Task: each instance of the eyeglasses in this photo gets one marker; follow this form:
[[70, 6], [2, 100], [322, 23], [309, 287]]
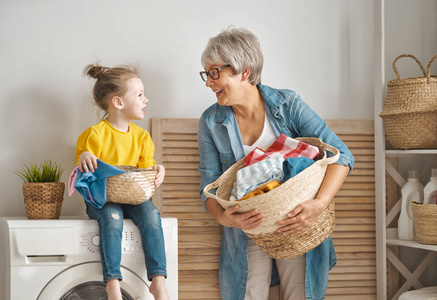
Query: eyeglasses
[[214, 73]]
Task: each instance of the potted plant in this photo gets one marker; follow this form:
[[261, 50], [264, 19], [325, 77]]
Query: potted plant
[[42, 190]]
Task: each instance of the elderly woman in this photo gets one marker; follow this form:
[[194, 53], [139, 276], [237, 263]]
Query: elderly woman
[[249, 115]]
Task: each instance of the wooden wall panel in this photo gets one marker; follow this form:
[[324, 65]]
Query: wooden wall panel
[[354, 276]]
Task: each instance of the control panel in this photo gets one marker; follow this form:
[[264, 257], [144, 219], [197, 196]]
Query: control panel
[[90, 240], [131, 240]]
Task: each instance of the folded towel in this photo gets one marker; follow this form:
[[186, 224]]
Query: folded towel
[[251, 177]]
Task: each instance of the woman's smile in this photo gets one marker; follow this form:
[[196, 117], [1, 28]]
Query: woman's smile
[[218, 92]]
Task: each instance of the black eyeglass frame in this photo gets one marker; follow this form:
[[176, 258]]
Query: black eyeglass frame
[[202, 73]]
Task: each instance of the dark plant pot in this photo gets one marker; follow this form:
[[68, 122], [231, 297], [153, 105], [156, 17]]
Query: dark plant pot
[[43, 200]]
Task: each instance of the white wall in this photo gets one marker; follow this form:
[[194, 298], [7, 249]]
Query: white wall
[[322, 49]]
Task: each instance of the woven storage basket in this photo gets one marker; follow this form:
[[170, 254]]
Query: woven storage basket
[[410, 110], [425, 221], [276, 204], [133, 187], [43, 200]]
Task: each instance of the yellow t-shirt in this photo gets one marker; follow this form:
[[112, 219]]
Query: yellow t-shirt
[[132, 148]]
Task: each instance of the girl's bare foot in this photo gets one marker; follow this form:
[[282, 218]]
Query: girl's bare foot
[[113, 289], [158, 289]]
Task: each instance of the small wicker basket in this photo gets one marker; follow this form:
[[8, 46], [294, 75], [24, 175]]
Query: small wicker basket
[[134, 187], [277, 203], [43, 200], [425, 221], [410, 110]]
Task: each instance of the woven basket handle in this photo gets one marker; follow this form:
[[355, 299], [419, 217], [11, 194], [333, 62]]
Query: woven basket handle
[[212, 186], [428, 74], [333, 150], [412, 56]]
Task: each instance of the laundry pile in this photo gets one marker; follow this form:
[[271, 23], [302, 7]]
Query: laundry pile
[[263, 171]]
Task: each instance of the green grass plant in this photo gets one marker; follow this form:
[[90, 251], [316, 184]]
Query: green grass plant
[[47, 171]]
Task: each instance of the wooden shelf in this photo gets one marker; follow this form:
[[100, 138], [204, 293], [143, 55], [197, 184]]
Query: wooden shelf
[[399, 153], [392, 239], [412, 244]]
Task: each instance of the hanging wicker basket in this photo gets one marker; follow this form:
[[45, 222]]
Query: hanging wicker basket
[[277, 203], [134, 187], [425, 221], [410, 109], [43, 200]]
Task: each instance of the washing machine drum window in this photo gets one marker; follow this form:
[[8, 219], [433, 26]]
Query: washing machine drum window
[[91, 290], [84, 282]]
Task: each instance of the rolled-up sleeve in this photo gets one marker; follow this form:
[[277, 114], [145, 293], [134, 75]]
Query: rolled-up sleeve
[[308, 124]]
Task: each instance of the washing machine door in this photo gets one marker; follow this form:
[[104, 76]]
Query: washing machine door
[[84, 282]]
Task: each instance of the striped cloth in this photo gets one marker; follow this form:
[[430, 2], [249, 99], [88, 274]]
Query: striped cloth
[[251, 177]]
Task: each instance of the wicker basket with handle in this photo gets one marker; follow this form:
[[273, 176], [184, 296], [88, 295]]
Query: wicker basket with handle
[[410, 109], [277, 203]]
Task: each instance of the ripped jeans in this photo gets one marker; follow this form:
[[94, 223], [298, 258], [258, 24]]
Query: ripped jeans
[[147, 218]]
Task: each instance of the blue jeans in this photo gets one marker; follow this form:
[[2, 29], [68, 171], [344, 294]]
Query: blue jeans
[[147, 218]]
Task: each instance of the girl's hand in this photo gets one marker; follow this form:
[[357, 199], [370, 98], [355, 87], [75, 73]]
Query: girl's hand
[[87, 162], [160, 175], [244, 221], [301, 217]]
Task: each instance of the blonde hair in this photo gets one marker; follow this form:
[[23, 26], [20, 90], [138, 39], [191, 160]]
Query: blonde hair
[[110, 82], [237, 47]]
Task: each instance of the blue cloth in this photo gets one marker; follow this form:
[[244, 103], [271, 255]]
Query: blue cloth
[[220, 146], [92, 186], [294, 165]]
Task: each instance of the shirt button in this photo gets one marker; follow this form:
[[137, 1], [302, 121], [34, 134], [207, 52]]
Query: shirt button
[[225, 161]]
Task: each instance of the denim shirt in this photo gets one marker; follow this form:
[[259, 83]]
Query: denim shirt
[[220, 146]]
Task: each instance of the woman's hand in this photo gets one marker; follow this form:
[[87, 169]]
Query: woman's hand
[[160, 175], [87, 162], [244, 221], [305, 214], [302, 217]]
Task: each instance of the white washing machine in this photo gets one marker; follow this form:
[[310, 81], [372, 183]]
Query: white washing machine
[[60, 260]]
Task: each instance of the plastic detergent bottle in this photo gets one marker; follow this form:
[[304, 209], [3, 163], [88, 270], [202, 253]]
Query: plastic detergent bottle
[[430, 190], [411, 191]]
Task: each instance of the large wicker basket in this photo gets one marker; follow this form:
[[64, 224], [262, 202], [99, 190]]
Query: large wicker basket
[[425, 221], [134, 187], [43, 200], [276, 204], [410, 110]]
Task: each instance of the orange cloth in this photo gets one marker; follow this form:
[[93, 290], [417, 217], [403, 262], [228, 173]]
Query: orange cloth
[[262, 189]]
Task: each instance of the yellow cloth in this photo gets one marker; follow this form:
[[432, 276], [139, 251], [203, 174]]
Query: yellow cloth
[[132, 148], [262, 189]]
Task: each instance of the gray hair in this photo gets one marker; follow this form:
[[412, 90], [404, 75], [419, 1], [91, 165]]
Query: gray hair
[[237, 47]]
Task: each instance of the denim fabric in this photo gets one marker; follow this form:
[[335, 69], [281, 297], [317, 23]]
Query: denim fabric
[[220, 146], [147, 218], [319, 261]]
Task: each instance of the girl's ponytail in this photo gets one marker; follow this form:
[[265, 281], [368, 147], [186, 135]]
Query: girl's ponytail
[[94, 71]]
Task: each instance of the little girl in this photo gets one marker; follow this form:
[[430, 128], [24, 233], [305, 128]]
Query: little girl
[[120, 93]]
